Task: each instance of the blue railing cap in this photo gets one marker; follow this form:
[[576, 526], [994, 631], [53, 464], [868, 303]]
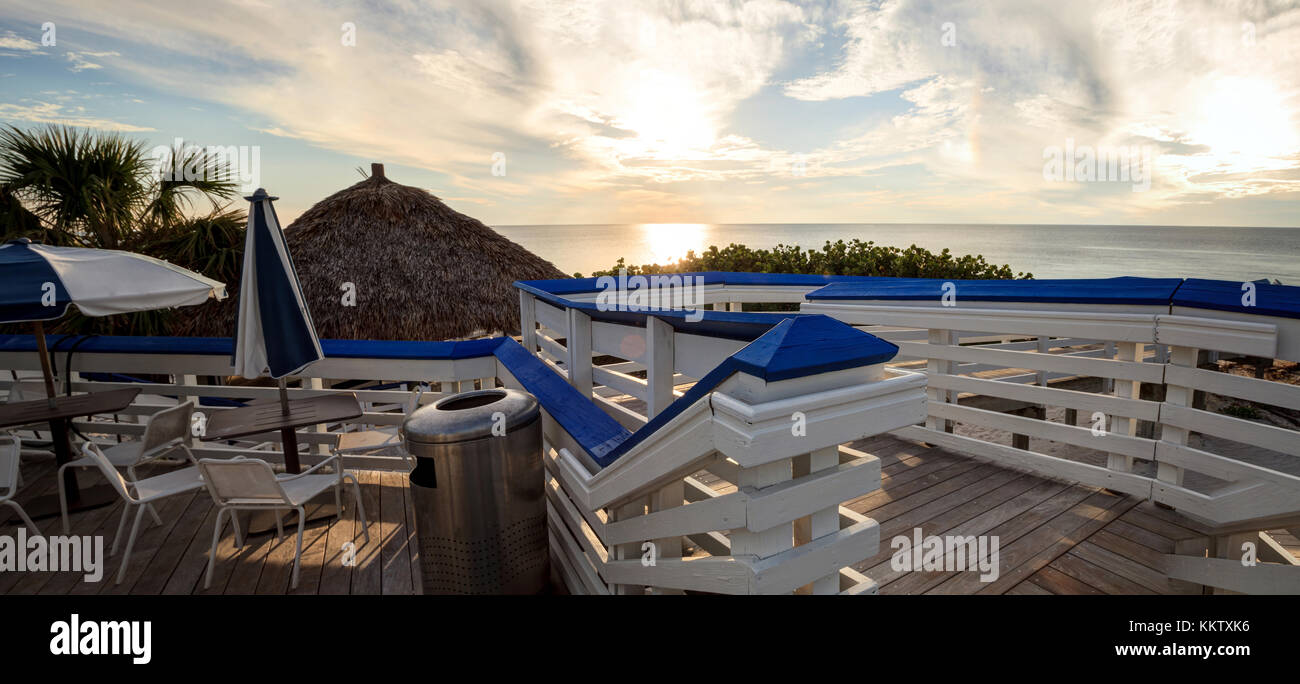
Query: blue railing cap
[[1123, 290], [366, 349], [1230, 295]]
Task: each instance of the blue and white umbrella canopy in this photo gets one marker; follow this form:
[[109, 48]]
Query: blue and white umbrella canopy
[[38, 282], [276, 336]]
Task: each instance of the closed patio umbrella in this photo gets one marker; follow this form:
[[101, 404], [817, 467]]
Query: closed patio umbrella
[[276, 336]]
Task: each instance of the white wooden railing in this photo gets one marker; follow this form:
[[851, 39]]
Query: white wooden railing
[[186, 377], [1099, 395], [782, 529]]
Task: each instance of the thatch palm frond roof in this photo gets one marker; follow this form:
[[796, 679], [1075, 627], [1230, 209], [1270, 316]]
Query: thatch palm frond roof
[[419, 270]]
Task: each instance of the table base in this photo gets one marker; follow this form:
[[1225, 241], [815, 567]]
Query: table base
[[319, 508]]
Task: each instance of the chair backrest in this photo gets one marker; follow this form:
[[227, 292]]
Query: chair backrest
[[91, 450], [166, 426], [241, 481], [414, 402], [10, 451]]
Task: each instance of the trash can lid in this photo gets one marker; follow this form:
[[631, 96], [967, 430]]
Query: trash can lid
[[470, 415]]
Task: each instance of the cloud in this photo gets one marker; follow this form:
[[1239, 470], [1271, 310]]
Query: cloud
[[13, 41], [81, 60], [603, 102], [49, 112]]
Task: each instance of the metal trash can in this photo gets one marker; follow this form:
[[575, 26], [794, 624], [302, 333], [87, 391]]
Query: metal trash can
[[477, 489]]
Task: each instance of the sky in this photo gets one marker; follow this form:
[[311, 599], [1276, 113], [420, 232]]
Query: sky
[[762, 111]]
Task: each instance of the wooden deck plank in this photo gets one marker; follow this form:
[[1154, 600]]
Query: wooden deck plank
[[366, 574], [395, 555], [412, 535], [170, 555], [1109, 551], [150, 541], [1073, 528], [335, 577], [996, 522], [885, 502], [1051, 538], [1029, 589], [940, 515], [1058, 582], [1140, 535], [314, 540], [187, 576], [1161, 527], [1095, 575]]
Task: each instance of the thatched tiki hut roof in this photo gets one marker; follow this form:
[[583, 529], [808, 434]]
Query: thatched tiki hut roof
[[421, 270]]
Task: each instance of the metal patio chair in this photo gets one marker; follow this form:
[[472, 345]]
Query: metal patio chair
[[250, 484]]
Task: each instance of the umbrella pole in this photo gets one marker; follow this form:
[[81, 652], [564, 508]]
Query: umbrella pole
[[58, 427], [284, 397], [45, 362]]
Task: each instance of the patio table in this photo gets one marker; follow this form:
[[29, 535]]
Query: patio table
[[57, 411]]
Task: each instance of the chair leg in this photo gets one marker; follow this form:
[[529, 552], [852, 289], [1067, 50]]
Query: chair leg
[[361, 510], [121, 525], [130, 542], [63, 501], [154, 513], [297, 550], [212, 554], [27, 520], [239, 533], [279, 527]]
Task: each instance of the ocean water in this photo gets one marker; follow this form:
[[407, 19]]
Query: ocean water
[[1046, 251]]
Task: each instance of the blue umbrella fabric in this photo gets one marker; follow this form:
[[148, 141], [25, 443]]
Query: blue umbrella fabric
[[276, 336], [38, 282]]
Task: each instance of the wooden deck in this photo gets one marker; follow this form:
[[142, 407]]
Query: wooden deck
[[1054, 538], [172, 559]]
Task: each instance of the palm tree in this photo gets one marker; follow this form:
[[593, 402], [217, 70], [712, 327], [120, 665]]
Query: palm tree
[[68, 186]]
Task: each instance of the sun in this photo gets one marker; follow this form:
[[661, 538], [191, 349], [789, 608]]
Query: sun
[[1245, 117], [668, 115]]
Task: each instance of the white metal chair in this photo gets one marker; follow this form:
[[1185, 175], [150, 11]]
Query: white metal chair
[[250, 484], [164, 432], [26, 391], [139, 494], [10, 448], [362, 442]]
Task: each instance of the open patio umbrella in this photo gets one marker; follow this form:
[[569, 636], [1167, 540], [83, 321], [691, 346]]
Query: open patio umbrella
[[38, 283], [276, 336]]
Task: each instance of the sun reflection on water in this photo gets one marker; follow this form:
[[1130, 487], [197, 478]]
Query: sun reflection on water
[[670, 241]]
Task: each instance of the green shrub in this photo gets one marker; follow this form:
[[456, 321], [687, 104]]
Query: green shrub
[[835, 258]]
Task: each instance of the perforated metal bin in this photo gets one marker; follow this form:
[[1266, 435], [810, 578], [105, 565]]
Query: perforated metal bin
[[480, 507]]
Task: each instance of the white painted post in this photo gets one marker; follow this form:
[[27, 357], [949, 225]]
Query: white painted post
[[1176, 395], [1128, 389], [1108, 384], [671, 496], [1044, 346], [937, 366], [319, 449], [774, 540], [528, 321], [823, 522], [192, 381], [631, 551], [735, 306], [660, 362], [579, 348]]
